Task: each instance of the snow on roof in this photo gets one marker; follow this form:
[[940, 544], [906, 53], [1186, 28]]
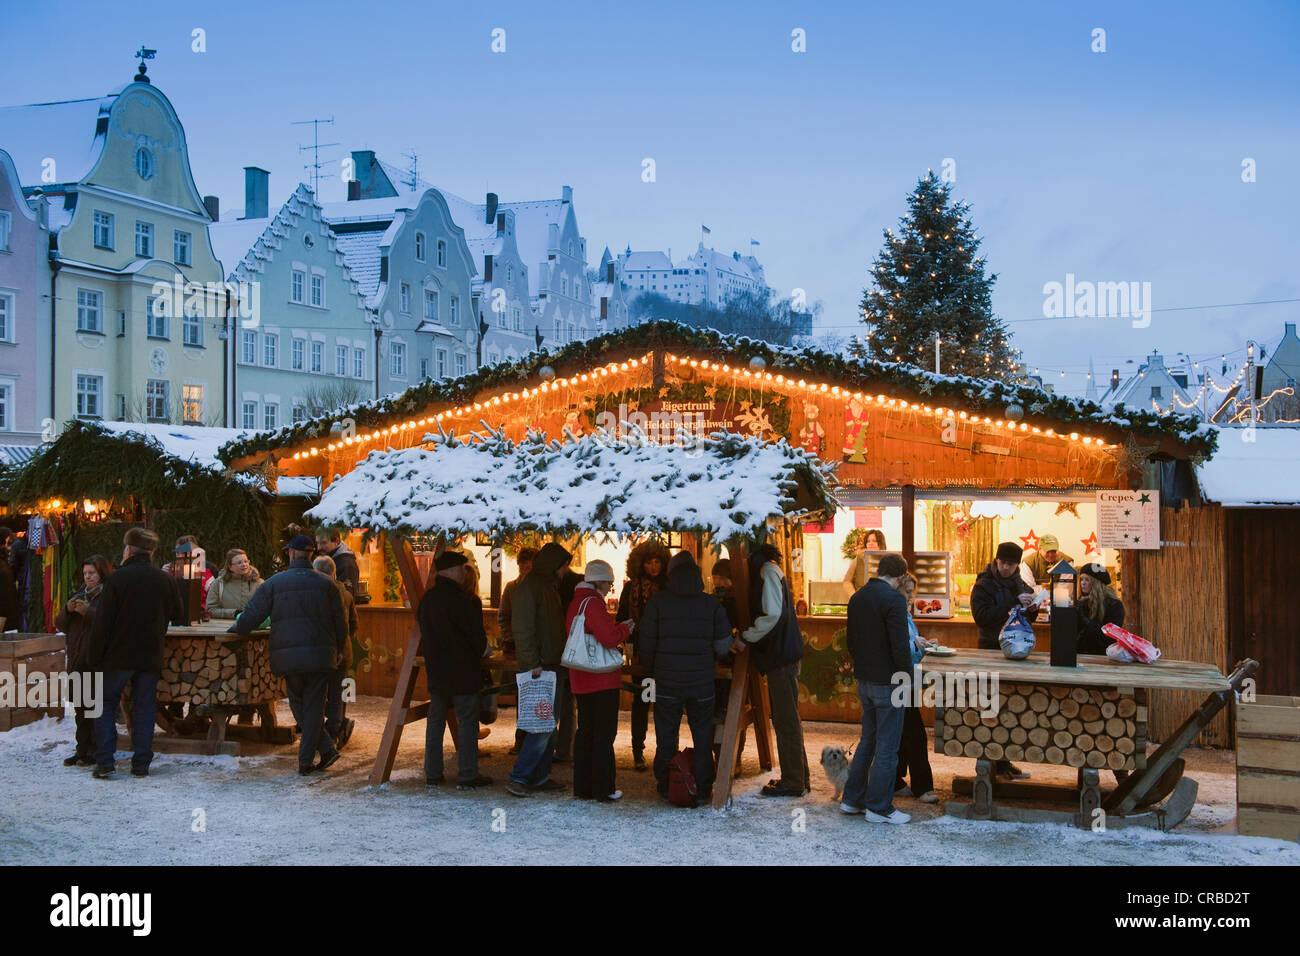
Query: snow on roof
[[369, 210], [361, 252], [233, 239], [725, 485], [471, 217], [533, 232], [646, 261], [197, 445], [62, 131], [1253, 467]]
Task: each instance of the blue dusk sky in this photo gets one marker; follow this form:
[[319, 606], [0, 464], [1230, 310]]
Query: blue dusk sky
[[1115, 166]]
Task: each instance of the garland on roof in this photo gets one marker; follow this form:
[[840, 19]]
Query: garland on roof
[[904, 381]]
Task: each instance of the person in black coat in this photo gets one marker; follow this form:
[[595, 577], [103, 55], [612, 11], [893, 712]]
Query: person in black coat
[[565, 706], [878, 640], [10, 607], [126, 643], [346, 570], [453, 643], [77, 621], [997, 590], [1099, 605], [682, 633], [308, 631]]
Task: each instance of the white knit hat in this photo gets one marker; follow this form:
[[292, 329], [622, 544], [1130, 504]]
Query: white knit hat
[[598, 571]]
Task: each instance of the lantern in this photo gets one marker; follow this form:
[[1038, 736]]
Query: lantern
[[187, 569], [1065, 615]]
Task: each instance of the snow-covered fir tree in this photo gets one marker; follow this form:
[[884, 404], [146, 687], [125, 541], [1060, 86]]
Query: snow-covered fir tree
[[929, 280]]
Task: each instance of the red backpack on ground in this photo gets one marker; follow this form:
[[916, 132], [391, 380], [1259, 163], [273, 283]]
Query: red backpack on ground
[[682, 789]]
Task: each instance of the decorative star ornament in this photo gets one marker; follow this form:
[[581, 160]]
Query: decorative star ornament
[[1132, 455], [1144, 500], [1068, 507], [927, 387], [1038, 408], [410, 405], [663, 392], [710, 391], [1030, 541], [1090, 545]]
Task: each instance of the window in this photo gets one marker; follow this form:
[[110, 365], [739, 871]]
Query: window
[[406, 298], [460, 365], [299, 413], [1290, 383], [424, 368], [398, 360], [493, 358], [144, 163], [270, 350], [249, 341], [442, 363], [89, 388], [6, 317], [192, 329], [564, 285], [270, 415], [181, 248], [431, 305], [155, 311], [517, 318], [317, 290], [155, 399], [296, 290], [90, 317], [250, 415], [358, 363], [318, 356], [144, 238], [454, 307], [1155, 391], [6, 398], [103, 229], [442, 253], [419, 246], [558, 331], [510, 274], [340, 360], [297, 353], [192, 404], [121, 406]]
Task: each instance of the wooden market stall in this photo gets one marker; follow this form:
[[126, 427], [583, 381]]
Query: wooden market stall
[[723, 490], [948, 464]]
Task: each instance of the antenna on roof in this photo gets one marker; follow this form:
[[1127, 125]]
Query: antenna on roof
[[315, 147], [142, 54], [413, 171]]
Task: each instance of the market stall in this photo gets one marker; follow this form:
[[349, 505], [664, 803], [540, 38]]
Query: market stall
[[721, 490]]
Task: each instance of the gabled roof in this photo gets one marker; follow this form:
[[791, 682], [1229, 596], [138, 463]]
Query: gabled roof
[[533, 231], [361, 250], [66, 131], [646, 261], [1135, 392]]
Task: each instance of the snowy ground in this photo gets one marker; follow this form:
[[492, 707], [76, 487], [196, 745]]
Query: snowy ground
[[257, 810]]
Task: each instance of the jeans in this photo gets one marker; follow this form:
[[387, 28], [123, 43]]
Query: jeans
[[593, 747], [533, 765], [335, 709], [144, 708], [913, 754], [563, 715], [668, 721], [783, 693], [871, 775], [307, 701], [466, 706]]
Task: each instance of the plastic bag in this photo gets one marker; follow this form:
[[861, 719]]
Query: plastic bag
[[1117, 653], [536, 711], [1142, 650], [1017, 636]]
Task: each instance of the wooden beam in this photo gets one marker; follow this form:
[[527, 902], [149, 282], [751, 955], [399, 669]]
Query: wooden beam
[[909, 525]]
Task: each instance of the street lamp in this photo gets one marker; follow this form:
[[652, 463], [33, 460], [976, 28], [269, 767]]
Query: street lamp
[[1065, 615]]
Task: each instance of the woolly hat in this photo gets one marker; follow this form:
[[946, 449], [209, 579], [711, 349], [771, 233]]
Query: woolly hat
[[450, 559], [598, 571], [1010, 552], [301, 542], [141, 538], [1096, 572]]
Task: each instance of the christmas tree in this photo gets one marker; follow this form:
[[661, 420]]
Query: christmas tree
[[929, 281]]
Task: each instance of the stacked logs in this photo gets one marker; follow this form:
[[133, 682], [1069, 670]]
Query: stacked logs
[[206, 672], [1051, 723]]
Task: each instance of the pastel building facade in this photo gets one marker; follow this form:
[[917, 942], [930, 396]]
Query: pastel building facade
[[25, 376]]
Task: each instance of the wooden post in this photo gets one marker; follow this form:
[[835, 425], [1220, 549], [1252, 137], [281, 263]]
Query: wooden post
[[909, 526], [495, 557]]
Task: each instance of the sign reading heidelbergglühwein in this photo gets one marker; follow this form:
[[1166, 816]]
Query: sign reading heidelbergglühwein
[[1128, 519]]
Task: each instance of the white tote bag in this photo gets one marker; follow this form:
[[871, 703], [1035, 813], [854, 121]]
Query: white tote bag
[[536, 708], [582, 652]]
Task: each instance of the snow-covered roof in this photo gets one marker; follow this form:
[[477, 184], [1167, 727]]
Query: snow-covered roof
[[63, 131], [1135, 392], [233, 239], [727, 485], [1253, 468], [533, 232], [646, 261], [361, 251], [370, 210]]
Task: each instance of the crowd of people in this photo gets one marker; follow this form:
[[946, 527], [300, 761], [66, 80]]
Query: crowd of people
[[674, 632]]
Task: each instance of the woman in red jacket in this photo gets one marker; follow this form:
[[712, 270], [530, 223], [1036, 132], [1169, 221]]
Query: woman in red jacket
[[596, 694]]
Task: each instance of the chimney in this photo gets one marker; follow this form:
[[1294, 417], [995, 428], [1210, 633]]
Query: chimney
[[1288, 329], [492, 210], [487, 268], [566, 194], [354, 190], [256, 192], [553, 235], [213, 205], [501, 223], [609, 272]]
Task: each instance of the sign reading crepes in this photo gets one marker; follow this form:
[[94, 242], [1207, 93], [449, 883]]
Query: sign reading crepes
[[1128, 519]]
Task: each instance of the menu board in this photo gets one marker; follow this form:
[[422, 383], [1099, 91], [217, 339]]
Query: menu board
[[1128, 519]]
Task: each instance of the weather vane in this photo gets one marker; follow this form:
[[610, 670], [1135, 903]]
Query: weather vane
[[142, 54]]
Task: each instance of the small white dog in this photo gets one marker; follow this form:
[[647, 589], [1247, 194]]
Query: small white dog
[[836, 764]]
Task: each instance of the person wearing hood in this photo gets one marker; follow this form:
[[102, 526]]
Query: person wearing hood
[[778, 650], [597, 694], [682, 633], [537, 622], [996, 592], [77, 620], [330, 543], [647, 575]]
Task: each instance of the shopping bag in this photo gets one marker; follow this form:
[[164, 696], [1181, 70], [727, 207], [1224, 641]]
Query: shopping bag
[[536, 709], [1017, 635], [1143, 651], [582, 652]]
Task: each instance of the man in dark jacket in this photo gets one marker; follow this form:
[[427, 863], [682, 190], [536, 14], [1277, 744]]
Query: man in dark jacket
[[997, 590], [308, 632], [778, 650], [453, 643], [878, 642], [682, 632], [537, 621], [346, 570], [126, 643]]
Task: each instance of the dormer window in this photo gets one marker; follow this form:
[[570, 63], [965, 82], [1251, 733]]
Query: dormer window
[[419, 246]]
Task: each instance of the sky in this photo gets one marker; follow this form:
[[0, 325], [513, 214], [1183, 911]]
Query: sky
[[1117, 166]]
